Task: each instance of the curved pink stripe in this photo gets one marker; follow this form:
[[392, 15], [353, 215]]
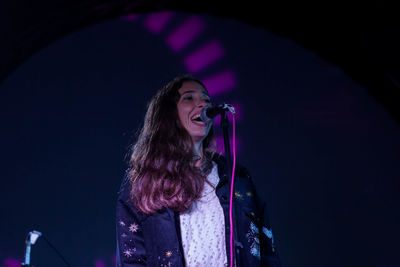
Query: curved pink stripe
[[156, 22], [204, 56], [220, 83], [185, 33]]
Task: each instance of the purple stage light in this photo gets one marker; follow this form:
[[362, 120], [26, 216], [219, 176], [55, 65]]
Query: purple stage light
[[220, 83], [99, 263], [10, 262], [204, 56], [185, 33], [156, 22]]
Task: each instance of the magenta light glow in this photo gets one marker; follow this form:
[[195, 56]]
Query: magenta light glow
[[204, 56], [10, 262], [99, 263], [185, 33], [156, 22], [220, 83], [221, 145]]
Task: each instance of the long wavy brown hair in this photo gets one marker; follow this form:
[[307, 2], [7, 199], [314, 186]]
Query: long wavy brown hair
[[162, 163]]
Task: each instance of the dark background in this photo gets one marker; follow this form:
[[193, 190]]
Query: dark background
[[318, 130]]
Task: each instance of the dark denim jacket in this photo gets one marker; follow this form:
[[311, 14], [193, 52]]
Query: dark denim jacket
[[155, 240]]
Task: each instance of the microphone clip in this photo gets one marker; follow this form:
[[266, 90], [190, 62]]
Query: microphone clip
[[228, 107]]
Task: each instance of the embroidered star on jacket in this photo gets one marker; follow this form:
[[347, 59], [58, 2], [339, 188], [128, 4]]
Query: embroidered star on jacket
[[133, 228], [128, 253], [238, 195], [121, 223]]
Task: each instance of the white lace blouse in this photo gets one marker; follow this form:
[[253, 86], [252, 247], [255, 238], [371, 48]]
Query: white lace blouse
[[203, 228]]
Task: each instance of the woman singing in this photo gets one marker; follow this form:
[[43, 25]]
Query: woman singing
[[173, 205]]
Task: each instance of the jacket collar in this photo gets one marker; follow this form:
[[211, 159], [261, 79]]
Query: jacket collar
[[222, 168]]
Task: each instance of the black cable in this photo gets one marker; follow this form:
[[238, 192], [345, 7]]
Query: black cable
[[58, 253]]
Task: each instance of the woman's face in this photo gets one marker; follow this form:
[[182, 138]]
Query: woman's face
[[193, 98]]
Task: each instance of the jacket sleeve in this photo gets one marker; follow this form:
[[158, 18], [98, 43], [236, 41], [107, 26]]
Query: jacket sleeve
[[268, 253], [130, 242]]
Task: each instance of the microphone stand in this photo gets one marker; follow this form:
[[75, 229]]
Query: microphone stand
[[31, 240], [225, 131]]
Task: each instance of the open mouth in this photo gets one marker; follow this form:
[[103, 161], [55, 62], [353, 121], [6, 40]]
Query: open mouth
[[196, 119]]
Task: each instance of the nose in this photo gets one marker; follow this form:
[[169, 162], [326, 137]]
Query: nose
[[202, 103]]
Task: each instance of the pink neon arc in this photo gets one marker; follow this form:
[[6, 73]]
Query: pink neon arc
[[156, 22], [185, 33], [204, 56], [99, 263], [238, 114], [220, 83]]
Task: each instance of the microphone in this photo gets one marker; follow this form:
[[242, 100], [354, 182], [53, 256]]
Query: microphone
[[210, 112]]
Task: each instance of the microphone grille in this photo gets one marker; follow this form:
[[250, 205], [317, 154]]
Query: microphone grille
[[203, 114]]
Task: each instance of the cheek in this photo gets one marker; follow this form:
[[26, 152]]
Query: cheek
[[183, 114]]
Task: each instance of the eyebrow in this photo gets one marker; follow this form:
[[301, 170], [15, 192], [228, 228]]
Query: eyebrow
[[188, 92], [194, 91]]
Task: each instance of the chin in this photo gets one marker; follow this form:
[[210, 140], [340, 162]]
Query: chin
[[198, 137]]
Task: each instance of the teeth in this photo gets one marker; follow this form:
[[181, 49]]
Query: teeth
[[196, 116]]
